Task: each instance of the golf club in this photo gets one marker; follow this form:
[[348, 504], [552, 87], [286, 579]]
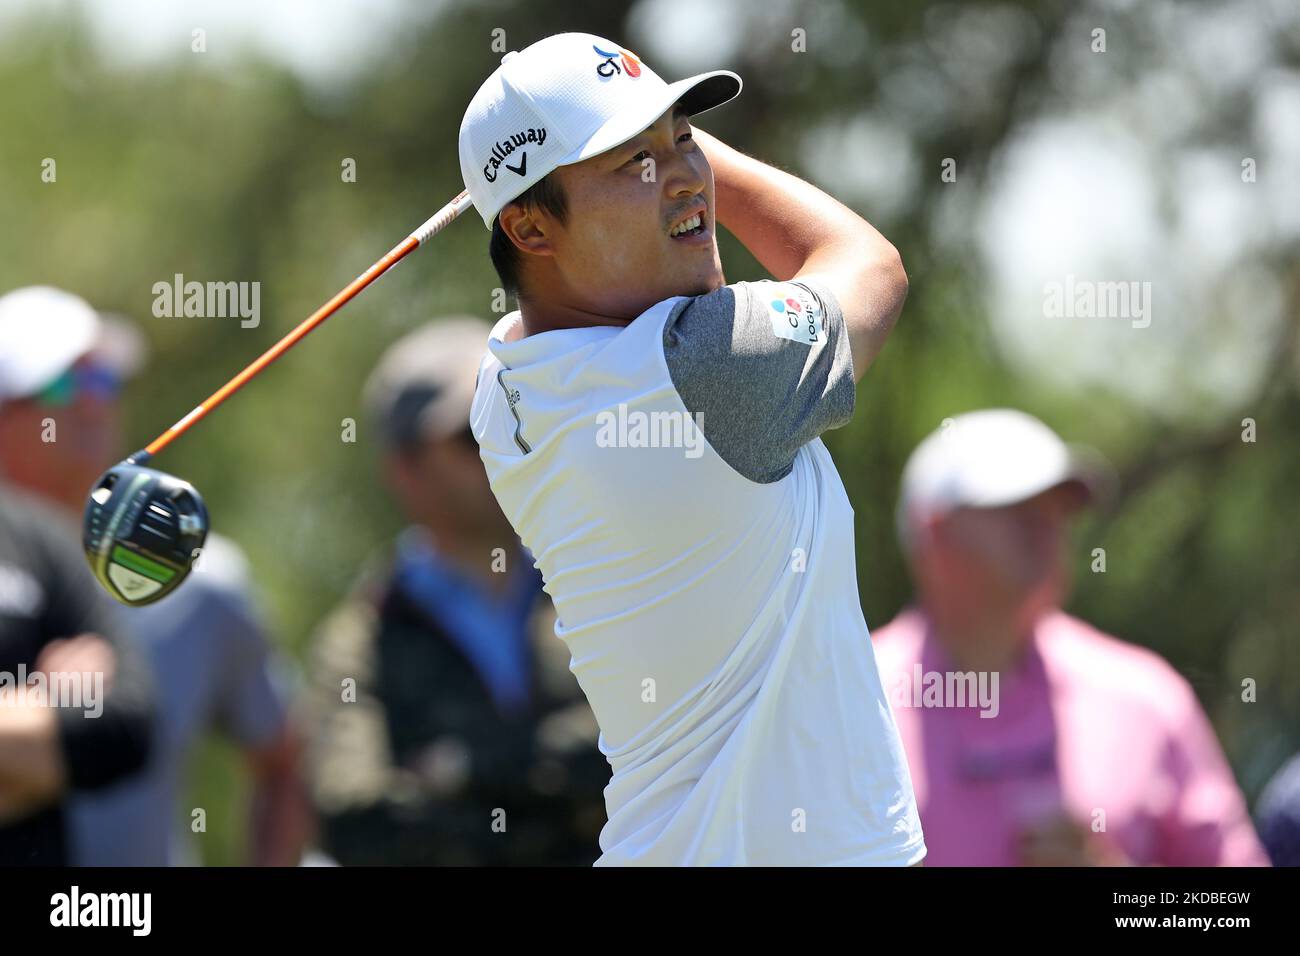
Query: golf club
[[143, 529]]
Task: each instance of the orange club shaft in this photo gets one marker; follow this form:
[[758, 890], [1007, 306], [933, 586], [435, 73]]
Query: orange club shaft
[[395, 255]]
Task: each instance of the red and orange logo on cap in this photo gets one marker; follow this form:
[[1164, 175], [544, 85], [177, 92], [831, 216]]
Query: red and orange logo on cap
[[609, 66]]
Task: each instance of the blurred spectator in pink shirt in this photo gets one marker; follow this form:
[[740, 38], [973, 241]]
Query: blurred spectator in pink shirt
[[1033, 738]]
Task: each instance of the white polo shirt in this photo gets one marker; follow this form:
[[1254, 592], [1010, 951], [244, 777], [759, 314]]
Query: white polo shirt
[[705, 583]]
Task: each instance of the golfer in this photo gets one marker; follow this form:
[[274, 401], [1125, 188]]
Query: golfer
[[651, 433]]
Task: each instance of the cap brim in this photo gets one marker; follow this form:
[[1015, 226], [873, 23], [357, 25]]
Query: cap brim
[[697, 94], [1084, 468], [1094, 473]]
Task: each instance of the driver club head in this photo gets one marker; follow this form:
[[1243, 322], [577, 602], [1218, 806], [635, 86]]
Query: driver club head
[[142, 531]]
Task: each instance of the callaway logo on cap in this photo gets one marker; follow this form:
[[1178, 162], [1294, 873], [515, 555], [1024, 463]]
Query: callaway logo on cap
[[562, 100]]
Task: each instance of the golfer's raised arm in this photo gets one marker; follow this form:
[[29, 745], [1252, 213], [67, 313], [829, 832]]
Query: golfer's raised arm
[[797, 231]]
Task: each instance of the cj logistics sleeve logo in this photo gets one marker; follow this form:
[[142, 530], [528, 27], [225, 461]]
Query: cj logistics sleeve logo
[[796, 316]]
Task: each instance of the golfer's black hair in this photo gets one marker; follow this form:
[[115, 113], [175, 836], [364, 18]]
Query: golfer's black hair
[[546, 195]]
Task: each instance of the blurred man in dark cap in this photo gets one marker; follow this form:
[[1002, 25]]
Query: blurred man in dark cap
[[1033, 738], [205, 645], [449, 729], [76, 704]]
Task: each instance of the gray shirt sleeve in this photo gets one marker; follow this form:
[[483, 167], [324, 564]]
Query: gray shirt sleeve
[[766, 367]]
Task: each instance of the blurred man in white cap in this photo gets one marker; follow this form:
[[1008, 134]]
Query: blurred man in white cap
[[56, 627], [62, 366], [462, 706], [1034, 739]]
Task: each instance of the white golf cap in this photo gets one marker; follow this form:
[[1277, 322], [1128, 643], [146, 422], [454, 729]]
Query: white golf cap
[[991, 458], [564, 99], [44, 331]]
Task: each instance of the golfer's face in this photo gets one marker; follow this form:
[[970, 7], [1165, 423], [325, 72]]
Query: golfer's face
[[615, 250]]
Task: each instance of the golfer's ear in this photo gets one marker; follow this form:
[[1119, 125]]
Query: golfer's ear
[[525, 229]]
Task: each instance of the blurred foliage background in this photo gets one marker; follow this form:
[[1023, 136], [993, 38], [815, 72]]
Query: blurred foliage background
[[1127, 163]]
